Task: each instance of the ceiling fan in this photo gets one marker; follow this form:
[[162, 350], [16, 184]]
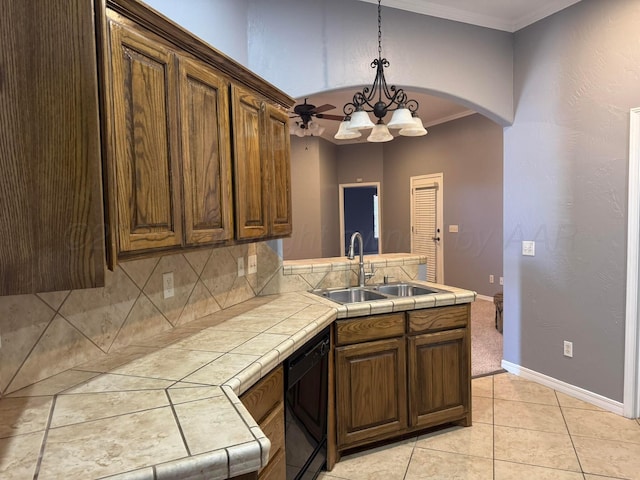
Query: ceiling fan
[[306, 112]]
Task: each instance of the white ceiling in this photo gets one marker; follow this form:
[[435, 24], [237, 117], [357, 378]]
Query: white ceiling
[[506, 15]]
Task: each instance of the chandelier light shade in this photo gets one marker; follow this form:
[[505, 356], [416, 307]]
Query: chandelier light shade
[[380, 133], [346, 133], [415, 130], [381, 99]]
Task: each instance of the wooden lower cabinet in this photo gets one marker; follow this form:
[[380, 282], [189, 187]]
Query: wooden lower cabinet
[[438, 377], [389, 387], [265, 403], [371, 390]]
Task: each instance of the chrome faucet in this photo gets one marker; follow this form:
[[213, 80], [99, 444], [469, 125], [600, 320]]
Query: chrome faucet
[[362, 277]]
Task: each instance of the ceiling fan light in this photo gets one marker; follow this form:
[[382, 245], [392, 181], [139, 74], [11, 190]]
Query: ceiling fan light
[[380, 133], [415, 130], [345, 133], [401, 118], [360, 120]]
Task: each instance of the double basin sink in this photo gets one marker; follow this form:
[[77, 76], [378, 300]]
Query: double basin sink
[[375, 292]]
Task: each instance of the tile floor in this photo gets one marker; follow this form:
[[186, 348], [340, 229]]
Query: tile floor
[[521, 430]]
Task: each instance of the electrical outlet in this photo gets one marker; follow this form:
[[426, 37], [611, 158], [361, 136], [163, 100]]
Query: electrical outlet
[[501, 281], [252, 264], [568, 349], [529, 248], [167, 285], [490, 278], [241, 266]]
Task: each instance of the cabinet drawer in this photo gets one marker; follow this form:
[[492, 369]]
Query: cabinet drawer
[[369, 328], [441, 318], [265, 395]]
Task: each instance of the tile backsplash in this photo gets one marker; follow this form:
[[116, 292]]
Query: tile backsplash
[[47, 333]]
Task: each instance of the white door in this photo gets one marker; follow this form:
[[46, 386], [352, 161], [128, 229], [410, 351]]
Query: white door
[[426, 223]]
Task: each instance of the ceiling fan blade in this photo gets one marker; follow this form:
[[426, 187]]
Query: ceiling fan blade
[[330, 117], [324, 108]]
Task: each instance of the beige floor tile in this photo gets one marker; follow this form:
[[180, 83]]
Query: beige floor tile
[[482, 410], [570, 402], [519, 471], [482, 387], [475, 441], [383, 463], [605, 457], [532, 416], [544, 449], [605, 425], [431, 464], [510, 387]]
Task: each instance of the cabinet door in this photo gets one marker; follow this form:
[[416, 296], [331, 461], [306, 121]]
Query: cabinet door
[[250, 165], [52, 235], [206, 154], [145, 142], [370, 390], [439, 377], [278, 152]]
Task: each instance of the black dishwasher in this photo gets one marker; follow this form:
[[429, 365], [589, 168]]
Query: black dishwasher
[[306, 408]]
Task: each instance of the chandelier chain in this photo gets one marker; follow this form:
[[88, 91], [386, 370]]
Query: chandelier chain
[[379, 31]]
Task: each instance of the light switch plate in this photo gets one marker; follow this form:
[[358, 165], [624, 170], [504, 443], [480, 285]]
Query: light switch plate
[[529, 248], [241, 266], [252, 264], [167, 285], [453, 228]]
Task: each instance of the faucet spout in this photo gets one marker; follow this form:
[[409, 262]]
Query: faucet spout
[[354, 236]]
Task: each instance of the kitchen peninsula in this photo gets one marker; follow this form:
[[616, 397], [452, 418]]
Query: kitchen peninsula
[[169, 407]]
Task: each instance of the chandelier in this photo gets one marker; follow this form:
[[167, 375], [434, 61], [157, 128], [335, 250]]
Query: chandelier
[[380, 99]]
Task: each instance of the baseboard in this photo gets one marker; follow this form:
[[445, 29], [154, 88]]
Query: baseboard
[[560, 386], [484, 297]]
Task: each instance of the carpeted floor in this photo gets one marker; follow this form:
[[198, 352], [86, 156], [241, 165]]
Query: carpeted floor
[[486, 341]]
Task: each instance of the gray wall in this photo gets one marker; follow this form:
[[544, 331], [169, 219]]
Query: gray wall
[[469, 154], [310, 46], [329, 201], [220, 23], [577, 74], [314, 195]]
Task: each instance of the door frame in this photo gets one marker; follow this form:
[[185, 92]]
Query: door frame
[[631, 399], [437, 178], [341, 188]]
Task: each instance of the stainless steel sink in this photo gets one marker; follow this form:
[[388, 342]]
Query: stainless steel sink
[[374, 292], [350, 295], [404, 290]]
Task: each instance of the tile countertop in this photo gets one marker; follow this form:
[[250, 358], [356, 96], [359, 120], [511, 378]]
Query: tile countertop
[[168, 408]]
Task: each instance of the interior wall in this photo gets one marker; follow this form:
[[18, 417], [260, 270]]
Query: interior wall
[[220, 23], [306, 239], [576, 78], [329, 200], [329, 45], [469, 153]]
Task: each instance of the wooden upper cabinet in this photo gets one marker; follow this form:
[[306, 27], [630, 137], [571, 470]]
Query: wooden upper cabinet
[[262, 161], [250, 165], [51, 227], [206, 153], [145, 142], [279, 157]]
